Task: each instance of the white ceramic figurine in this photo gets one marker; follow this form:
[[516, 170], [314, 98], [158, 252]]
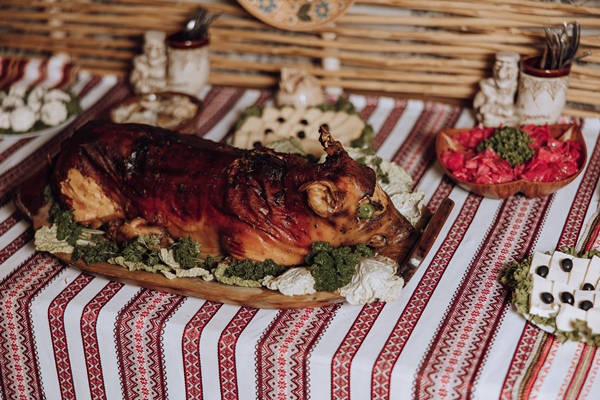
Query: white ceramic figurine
[[494, 103]]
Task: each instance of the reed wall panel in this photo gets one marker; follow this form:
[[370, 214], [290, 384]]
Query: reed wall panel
[[439, 49]]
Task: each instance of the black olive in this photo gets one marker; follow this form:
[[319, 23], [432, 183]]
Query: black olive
[[586, 305], [587, 286], [567, 297], [281, 120], [304, 122], [256, 144], [547, 297], [566, 264], [268, 130], [542, 271], [301, 134]]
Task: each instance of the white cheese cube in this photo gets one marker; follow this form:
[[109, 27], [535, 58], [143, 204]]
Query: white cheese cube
[[577, 274], [558, 288], [556, 273], [536, 305], [539, 259], [567, 315], [593, 320], [593, 272], [583, 295]]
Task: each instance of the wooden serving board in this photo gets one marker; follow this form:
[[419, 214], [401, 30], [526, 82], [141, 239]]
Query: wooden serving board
[[410, 253]]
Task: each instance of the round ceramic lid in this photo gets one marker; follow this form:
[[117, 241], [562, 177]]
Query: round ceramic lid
[[296, 15]]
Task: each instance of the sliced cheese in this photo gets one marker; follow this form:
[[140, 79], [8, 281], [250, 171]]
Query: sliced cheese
[[287, 112], [350, 129], [270, 114], [536, 305], [338, 119], [593, 320], [556, 273], [583, 295], [567, 315], [538, 260], [577, 274], [558, 288], [593, 272]]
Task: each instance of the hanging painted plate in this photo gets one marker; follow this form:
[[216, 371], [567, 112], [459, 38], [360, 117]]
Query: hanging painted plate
[[296, 15]]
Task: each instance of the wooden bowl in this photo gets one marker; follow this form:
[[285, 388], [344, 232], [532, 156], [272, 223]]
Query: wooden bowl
[[447, 139]]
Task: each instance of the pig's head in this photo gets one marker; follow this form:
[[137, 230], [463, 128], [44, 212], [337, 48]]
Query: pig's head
[[347, 194]]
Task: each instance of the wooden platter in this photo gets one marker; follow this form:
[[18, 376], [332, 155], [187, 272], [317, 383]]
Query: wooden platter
[[448, 139], [410, 253]]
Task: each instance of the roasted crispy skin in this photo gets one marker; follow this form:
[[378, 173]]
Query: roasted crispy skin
[[250, 204]]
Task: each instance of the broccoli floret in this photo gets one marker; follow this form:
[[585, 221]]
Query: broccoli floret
[[334, 268]]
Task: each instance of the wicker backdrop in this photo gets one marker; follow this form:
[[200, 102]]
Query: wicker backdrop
[[422, 48]]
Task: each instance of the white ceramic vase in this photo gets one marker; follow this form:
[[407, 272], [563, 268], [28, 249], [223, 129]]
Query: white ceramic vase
[[188, 65], [542, 94]]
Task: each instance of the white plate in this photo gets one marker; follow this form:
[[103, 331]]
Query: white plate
[[45, 131]]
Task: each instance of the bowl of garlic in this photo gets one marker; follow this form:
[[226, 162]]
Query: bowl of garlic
[[29, 112]]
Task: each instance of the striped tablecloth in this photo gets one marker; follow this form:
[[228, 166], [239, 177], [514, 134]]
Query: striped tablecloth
[[452, 334]]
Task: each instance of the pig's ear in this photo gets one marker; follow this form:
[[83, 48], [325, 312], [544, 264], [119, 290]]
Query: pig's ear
[[322, 197]]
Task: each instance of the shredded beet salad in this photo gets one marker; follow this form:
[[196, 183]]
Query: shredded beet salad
[[554, 160]]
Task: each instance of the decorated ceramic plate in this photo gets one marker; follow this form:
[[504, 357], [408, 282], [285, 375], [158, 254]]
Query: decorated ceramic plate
[[296, 15]]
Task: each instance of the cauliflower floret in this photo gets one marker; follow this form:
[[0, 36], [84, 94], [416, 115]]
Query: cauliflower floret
[[22, 119], [294, 281], [18, 90], [37, 94], [57, 94], [35, 98], [53, 113], [375, 278], [13, 101], [4, 119]]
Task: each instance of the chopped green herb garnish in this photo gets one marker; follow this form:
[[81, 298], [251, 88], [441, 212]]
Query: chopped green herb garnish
[[248, 270], [332, 267], [511, 144], [187, 252]]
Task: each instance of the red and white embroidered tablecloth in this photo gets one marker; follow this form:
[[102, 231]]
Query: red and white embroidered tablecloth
[[452, 334]]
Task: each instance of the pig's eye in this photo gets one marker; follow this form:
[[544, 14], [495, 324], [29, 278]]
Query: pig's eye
[[365, 211]]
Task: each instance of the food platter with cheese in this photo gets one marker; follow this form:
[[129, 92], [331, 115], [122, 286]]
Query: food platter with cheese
[[558, 292]]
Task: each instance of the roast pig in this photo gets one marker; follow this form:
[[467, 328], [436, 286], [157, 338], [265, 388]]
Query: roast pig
[[256, 204]]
